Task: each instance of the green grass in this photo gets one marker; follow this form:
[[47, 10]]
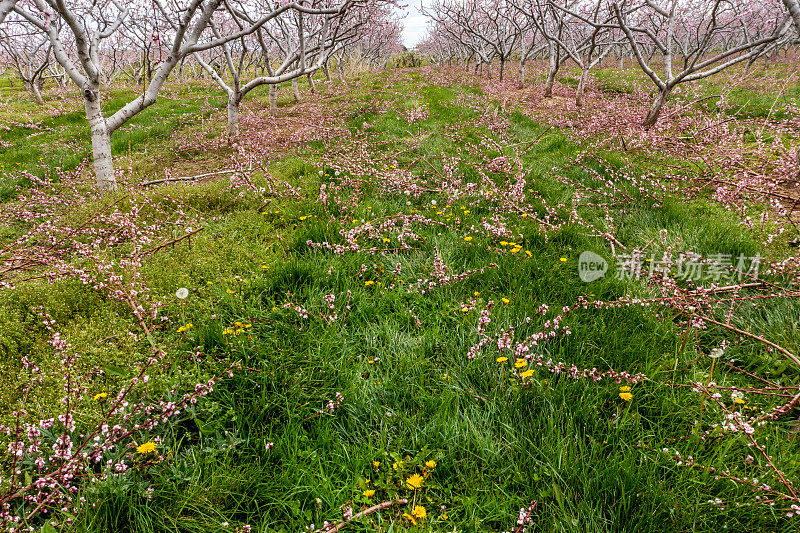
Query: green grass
[[590, 460]]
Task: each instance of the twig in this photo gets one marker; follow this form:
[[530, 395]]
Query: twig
[[173, 241], [365, 512], [186, 178]]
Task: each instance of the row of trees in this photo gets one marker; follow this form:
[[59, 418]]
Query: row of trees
[[673, 41], [240, 44]]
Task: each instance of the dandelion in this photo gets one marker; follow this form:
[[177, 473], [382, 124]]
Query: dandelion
[[520, 363], [468, 238], [476, 294], [229, 291], [147, 447], [528, 253], [369, 283], [430, 464], [626, 396], [414, 482], [385, 240], [397, 465], [419, 512], [505, 301], [625, 388], [502, 359], [369, 493], [465, 310], [99, 396], [182, 293], [376, 464], [527, 373], [563, 259]]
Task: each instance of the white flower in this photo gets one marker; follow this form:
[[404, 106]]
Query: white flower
[[182, 293], [716, 353], [737, 395], [433, 202]]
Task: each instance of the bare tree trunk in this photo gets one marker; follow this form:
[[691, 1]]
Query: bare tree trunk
[[34, 89], [502, 69], [273, 100], [522, 74], [233, 118], [551, 75], [326, 71], [311, 83], [101, 142], [581, 87], [655, 109], [295, 90]]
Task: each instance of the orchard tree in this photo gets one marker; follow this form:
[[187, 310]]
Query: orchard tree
[[28, 55], [309, 23], [79, 29], [707, 33]]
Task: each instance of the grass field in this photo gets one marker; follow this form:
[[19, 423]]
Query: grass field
[[436, 229]]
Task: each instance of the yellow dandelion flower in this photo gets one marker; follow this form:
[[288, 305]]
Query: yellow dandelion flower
[[527, 374], [563, 259], [502, 359], [430, 464], [229, 291], [625, 388], [468, 238], [476, 294], [503, 243], [738, 400], [386, 240], [376, 464], [414, 482], [105, 395], [369, 493], [505, 300], [627, 396], [368, 283], [419, 511], [465, 310], [520, 363], [398, 465], [528, 253], [411, 518], [147, 447]]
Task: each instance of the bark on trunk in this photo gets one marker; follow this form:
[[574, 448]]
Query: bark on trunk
[[655, 110], [551, 74], [101, 142], [581, 87], [233, 119], [273, 100], [311, 83], [295, 90], [502, 69], [327, 71], [34, 89], [522, 75]]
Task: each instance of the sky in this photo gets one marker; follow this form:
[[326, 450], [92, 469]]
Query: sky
[[414, 24]]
